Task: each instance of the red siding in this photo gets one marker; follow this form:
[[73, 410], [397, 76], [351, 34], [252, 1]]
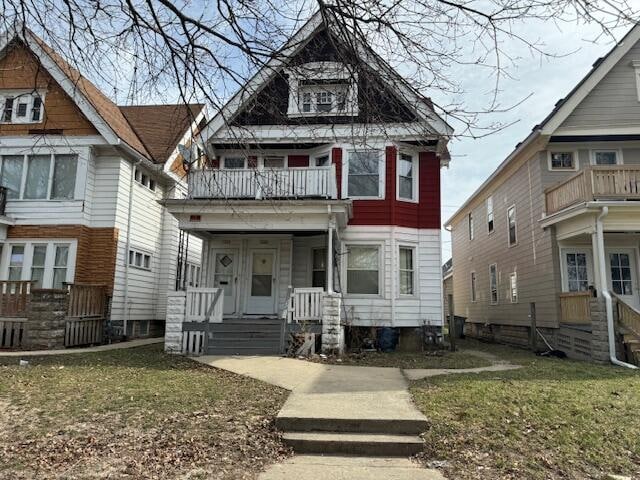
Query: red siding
[[424, 214], [298, 160], [252, 162], [336, 158]]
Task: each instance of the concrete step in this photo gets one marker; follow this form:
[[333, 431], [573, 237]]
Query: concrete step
[[270, 345], [246, 351], [252, 320], [246, 335], [395, 426], [339, 443]]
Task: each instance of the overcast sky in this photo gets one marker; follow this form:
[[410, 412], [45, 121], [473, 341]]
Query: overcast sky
[[546, 81]]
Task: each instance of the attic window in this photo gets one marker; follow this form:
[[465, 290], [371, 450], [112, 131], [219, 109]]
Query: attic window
[[20, 106], [322, 89]]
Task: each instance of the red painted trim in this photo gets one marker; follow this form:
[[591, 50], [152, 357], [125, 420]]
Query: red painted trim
[[298, 160], [336, 159], [252, 162]]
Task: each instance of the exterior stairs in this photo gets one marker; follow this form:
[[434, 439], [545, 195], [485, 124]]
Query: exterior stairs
[[246, 336], [359, 437], [632, 346]]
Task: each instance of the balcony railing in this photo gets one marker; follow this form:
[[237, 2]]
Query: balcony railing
[[610, 182], [252, 183]]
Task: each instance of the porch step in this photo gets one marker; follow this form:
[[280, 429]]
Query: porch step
[[392, 426], [245, 343], [246, 351], [248, 329], [365, 444], [252, 320]]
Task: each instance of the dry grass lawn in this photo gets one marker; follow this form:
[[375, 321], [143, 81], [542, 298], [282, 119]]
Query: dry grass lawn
[[552, 419], [133, 414]]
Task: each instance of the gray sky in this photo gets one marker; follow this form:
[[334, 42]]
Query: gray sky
[[546, 80]]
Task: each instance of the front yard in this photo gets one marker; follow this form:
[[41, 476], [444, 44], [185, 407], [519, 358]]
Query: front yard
[[552, 419], [135, 414]]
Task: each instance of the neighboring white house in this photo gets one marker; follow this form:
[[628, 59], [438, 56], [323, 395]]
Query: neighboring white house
[[83, 179]]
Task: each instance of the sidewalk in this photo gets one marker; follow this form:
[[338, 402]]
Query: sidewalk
[[100, 348]]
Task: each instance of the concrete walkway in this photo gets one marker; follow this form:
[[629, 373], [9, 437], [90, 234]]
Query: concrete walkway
[[100, 348], [349, 468]]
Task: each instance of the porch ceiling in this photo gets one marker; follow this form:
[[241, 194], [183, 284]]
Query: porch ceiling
[[259, 215]]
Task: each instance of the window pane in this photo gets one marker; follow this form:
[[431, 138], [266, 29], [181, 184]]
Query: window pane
[[406, 187], [319, 258], [12, 174], [606, 158], [233, 162], [261, 286], [59, 277], [406, 259], [36, 109], [64, 176], [363, 186], [319, 279], [37, 274], [406, 282], [322, 161], [16, 260], [364, 162], [562, 160], [362, 258], [362, 281], [274, 162], [37, 176], [62, 256], [39, 255]]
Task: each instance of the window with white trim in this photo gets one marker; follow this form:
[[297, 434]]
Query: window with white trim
[[139, 259], [493, 283], [470, 225], [513, 287], [562, 160], [144, 179], [407, 178], [605, 157], [234, 163], [363, 269], [490, 224], [322, 160], [39, 177], [406, 269], [511, 222], [48, 264], [473, 286], [364, 173], [21, 106], [319, 268], [577, 271]]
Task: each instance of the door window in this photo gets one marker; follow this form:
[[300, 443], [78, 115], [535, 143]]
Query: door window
[[224, 273], [621, 282], [577, 274], [261, 274]]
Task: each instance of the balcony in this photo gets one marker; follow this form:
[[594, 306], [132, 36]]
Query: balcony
[[610, 182], [256, 184]]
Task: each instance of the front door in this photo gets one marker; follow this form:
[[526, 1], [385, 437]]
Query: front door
[[621, 274], [261, 295], [225, 276]]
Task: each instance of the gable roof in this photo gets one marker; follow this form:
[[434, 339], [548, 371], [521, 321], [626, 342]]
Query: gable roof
[[421, 104], [561, 110], [161, 127], [152, 131]]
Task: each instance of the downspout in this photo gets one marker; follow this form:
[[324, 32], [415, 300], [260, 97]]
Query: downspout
[[125, 313], [605, 291]]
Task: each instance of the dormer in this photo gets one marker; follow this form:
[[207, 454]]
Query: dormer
[[319, 89], [21, 106]]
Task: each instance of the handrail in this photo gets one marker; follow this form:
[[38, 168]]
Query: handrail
[[628, 315]]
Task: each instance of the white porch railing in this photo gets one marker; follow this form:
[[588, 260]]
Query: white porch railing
[[304, 305], [252, 183], [202, 307]]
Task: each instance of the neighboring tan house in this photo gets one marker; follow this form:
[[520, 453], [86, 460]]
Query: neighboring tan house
[[320, 198], [557, 224], [447, 288], [82, 178]]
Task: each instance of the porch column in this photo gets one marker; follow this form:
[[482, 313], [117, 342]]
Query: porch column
[[330, 258]]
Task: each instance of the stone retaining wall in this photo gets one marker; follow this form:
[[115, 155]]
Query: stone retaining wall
[[46, 319]]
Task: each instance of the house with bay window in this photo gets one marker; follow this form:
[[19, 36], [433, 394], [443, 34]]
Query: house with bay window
[[550, 242], [318, 201], [80, 183]]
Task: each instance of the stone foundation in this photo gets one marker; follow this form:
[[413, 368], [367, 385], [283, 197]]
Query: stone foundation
[[176, 311], [46, 319], [332, 329]]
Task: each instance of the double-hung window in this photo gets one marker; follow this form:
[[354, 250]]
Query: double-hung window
[[48, 264], [511, 221], [39, 177], [406, 178], [407, 270], [16, 262], [364, 174], [363, 273], [490, 214], [319, 268], [38, 264], [513, 287], [493, 283]]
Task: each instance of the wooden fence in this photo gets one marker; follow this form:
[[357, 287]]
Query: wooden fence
[[575, 308], [14, 298], [12, 332], [85, 314]]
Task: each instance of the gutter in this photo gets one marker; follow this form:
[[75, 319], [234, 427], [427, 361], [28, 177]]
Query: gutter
[[605, 291]]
